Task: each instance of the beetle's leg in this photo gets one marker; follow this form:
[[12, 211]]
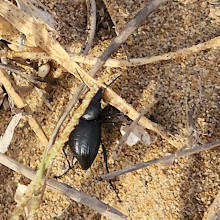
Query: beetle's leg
[[105, 157], [106, 166], [69, 166], [64, 152]]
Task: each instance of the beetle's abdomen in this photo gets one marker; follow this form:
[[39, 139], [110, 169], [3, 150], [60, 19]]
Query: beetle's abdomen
[[84, 142]]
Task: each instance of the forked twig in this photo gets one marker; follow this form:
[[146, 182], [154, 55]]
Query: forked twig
[[66, 190], [164, 159]]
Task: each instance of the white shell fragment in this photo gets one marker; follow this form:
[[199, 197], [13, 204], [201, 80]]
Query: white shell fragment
[[132, 138], [136, 135], [8, 135], [19, 195], [20, 191], [44, 70]]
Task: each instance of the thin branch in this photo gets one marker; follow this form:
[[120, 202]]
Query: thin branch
[[13, 68], [130, 27], [213, 43], [66, 190], [41, 93], [164, 159], [31, 78], [56, 131], [92, 27]]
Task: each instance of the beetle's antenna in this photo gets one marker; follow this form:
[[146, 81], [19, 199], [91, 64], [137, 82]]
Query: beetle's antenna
[[107, 85]]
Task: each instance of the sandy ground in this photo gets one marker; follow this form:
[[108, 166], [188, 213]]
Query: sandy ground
[[182, 190]]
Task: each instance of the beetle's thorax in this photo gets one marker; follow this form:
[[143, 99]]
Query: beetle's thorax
[[93, 110]]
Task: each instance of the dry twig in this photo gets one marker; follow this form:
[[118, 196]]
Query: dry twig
[[92, 27], [66, 190], [213, 43], [130, 27], [10, 88], [164, 159], [31, 78]]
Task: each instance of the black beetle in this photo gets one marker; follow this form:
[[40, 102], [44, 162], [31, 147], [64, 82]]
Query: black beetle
[[85, 139]]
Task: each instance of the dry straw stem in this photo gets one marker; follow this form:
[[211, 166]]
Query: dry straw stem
[[10, 88], [92, 28], [39, 34], [66, 190], [15, 69], [164, 159], [53, 137], [213, 43], [213, 210], [29, 77]]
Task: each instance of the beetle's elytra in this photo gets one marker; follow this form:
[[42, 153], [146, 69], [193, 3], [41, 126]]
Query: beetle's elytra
[[85, 139], [84, 142]]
